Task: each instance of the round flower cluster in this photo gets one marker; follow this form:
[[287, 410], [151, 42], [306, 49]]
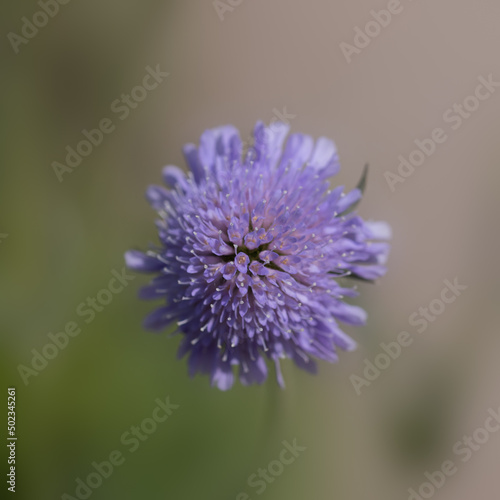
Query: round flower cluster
[[252, 248]]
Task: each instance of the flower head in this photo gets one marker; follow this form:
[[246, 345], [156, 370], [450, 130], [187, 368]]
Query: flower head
[[252, 246]]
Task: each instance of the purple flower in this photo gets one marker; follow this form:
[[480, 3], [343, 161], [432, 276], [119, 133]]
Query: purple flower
[[252, 246]]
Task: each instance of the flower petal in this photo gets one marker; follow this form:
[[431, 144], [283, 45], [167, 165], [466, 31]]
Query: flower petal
[[141, 262]]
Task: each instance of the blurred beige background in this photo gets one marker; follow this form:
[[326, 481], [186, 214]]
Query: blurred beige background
[[64, 238]]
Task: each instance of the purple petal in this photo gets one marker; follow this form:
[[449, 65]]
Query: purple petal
[[141, 262], [173, 176], [324, 159]]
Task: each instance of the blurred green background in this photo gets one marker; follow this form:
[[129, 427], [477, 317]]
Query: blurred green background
[[64, 239]]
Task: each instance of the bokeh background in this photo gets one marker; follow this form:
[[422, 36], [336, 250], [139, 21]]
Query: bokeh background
[[65, 238]]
